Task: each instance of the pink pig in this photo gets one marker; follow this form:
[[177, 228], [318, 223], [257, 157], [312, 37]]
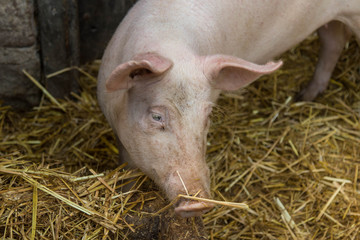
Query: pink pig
[[169, 59]]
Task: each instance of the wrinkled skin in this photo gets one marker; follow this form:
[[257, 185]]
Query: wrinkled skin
[[168, 61]]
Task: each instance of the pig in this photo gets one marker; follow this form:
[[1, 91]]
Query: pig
[[168, 60]]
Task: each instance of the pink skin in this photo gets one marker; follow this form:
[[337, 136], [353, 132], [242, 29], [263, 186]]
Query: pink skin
[[168, 61]]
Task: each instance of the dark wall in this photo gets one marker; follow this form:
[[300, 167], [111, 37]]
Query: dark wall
[[98, 20]]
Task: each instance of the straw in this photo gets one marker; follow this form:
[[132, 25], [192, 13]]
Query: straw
[[294, 164]]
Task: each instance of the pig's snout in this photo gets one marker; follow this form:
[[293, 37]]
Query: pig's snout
[[182, 182], [192, 208]]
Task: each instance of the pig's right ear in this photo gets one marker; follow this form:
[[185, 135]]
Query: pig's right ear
[[231, 73], [143, 65]]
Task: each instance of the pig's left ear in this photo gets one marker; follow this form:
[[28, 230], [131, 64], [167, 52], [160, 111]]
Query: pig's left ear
[[143, 65], [231, 73]]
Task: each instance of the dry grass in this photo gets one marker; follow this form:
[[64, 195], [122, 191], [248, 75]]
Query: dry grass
[[295, 164]]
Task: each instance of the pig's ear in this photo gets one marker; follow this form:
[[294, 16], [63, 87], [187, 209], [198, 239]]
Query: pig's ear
[[231, 73], [143, 65]]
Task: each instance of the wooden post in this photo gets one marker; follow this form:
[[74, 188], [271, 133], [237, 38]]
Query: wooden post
[[59, 40]]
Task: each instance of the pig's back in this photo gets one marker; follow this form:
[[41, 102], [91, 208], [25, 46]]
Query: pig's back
[[245, 28]]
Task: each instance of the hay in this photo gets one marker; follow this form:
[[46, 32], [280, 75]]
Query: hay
[[295, 164]]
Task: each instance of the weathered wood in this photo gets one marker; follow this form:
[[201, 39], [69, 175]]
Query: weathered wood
[[66, 33], [59, 40], [18, 51], [17, 25]]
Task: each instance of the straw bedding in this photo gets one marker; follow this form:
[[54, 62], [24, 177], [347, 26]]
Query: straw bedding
[[296, 165]]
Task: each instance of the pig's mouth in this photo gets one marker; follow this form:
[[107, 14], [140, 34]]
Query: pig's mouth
[[195, 191], [190, 208]]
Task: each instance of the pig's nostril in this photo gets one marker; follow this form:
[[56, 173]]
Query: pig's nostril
[[192, 208]]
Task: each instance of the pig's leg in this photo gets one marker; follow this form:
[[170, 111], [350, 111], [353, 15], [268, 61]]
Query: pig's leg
[[333, 37]]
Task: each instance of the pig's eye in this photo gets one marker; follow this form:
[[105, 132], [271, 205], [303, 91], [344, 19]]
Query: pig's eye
[[157, 117]]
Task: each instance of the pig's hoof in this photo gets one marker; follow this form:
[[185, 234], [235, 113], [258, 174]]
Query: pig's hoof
[[188, 209], [306, 96]]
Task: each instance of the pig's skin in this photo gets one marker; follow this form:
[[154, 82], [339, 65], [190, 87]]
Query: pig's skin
[[162, 71]]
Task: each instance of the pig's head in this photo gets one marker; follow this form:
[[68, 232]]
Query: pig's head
[[162, 117]]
